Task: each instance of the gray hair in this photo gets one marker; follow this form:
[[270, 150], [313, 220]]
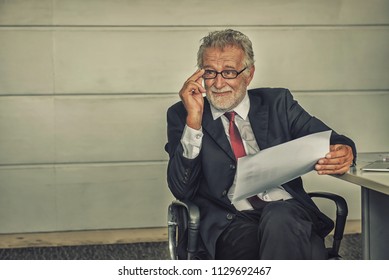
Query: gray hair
[[224, 38]]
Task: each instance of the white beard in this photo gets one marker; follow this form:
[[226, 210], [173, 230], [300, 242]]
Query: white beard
[[228, 102]]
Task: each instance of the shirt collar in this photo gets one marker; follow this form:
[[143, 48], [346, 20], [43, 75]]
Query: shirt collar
[[242, 109]]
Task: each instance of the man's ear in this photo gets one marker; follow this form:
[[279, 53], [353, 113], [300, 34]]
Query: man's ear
[[250, 76]]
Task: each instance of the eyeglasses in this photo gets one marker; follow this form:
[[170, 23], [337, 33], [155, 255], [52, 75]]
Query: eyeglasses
[[226, 74]]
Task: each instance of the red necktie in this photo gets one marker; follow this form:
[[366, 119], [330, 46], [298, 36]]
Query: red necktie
[[235, 139], [239, 151]]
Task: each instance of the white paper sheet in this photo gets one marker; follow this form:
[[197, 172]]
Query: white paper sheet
[[277, 165]]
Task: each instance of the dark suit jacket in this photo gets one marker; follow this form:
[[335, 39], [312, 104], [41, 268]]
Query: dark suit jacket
[[275, 118]]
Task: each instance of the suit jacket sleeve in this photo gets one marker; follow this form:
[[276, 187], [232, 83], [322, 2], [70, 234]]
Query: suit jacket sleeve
[[183, 174]]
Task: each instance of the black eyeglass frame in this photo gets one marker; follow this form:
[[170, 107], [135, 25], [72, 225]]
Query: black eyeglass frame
[[221, 73]]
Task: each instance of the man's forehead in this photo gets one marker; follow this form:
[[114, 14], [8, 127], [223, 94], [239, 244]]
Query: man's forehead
[[231, 54]]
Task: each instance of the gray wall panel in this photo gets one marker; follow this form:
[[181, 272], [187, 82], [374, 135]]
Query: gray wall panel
[[27, 126], [302, 59], [121, 61], [77, 197], [322, 59], [28, 199], [26, 64], [112, 196], [101, 129], [110, 61], [26, 12], [173, 12], [83, 128], [364, 117]]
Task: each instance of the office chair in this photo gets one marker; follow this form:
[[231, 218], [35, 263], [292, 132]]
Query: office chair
[[184, 223]]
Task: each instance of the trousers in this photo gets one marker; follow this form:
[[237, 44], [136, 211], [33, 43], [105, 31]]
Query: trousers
[[281, 230]]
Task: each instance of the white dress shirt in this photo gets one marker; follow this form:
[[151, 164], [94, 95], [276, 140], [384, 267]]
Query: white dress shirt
[[192, 139]]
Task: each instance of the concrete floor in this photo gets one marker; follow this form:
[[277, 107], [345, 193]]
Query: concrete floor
[[350, 250], [121, 244]]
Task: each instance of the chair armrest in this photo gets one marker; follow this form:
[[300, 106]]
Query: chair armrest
[[341, 216], [184, 215], [341, 204], [192, 211]]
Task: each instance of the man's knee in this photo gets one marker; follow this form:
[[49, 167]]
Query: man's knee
[[284, 215]]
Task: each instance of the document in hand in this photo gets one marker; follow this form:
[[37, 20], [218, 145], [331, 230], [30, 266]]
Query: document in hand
[[277, 165]]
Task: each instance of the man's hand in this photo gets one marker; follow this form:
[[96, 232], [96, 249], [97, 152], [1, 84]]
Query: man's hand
[[191, 95], [337, 161]]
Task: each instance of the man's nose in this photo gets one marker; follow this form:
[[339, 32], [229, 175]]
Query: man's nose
[[220, 82]]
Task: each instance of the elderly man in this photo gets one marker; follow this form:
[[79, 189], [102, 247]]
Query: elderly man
[[207, 135]]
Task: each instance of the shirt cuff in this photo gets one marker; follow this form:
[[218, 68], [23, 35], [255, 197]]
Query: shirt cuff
[[191, 141]]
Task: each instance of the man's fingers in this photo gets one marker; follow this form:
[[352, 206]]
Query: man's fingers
[[196, 75], [337, 161], [332, 165], [191, 88], [194, 84], [337, 151], [333, 169]]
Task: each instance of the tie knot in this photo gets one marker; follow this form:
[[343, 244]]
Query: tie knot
[[230, 116]]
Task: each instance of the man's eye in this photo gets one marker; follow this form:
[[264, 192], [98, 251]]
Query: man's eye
[[209, 72], [229, 72]]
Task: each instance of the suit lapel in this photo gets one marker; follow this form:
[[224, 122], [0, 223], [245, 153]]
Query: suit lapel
[[259, 120], [215, 130]]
